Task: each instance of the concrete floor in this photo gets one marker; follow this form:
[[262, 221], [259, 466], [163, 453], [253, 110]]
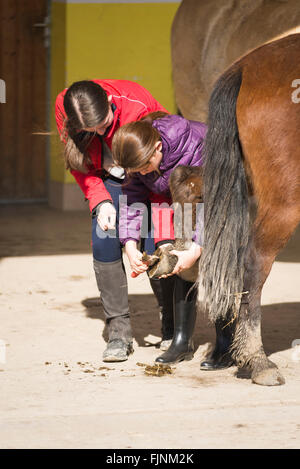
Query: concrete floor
[[57, 393]]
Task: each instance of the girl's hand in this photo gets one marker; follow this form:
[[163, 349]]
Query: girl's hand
[[107, 216], [135, 258], [186, 259]]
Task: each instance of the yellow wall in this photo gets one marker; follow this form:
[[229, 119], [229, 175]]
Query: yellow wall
[[111, 40]]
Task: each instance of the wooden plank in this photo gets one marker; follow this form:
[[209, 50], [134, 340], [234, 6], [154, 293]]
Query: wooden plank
[[24, 99], [8, 111], [23, 67], [39, 109]]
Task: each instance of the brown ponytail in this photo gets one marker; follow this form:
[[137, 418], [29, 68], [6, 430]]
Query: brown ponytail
[[133, 144], [86, 105]]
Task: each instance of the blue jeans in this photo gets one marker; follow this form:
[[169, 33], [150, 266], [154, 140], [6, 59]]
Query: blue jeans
[[106, 244]]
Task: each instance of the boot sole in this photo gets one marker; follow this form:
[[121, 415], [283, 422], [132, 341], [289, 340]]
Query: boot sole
[[187, 358], [114, 359], [216, 368]]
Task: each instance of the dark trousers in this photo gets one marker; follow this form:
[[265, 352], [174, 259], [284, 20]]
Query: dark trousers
[[106, 244]]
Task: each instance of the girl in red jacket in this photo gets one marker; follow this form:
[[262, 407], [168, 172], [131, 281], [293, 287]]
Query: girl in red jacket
[[87, 116]]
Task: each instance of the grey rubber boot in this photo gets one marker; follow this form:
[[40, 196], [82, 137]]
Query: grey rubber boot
[[112, 284]]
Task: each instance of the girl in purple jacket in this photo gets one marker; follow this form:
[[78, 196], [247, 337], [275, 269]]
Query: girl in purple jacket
[[150, 150]]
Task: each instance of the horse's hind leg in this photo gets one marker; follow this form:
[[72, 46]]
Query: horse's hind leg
[[248, 349]]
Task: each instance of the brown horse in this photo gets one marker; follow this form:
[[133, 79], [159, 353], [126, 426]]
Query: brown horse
[[251, 191]]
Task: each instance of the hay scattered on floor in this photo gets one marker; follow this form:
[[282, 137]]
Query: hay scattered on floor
[[157, 369]]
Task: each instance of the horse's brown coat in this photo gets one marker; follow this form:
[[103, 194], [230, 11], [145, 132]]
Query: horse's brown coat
[[269, 123], [208, 36], [265, 155]]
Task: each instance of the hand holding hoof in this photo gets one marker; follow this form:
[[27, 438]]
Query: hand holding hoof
[[161, 262]]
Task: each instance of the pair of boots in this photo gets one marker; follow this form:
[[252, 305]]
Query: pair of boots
[[177, 299]]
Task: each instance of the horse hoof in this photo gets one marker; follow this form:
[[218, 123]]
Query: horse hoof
[[268, 377]]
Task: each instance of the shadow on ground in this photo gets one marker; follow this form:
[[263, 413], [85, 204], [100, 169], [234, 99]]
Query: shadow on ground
[[280, 323], [145, 319]]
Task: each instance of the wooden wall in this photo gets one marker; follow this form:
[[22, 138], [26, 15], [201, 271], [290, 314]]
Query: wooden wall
[[23, 67]]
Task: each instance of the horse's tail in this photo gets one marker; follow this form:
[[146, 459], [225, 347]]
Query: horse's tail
[[225, 201]]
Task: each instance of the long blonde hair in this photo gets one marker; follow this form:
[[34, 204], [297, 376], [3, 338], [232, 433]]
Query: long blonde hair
[[133, 144]]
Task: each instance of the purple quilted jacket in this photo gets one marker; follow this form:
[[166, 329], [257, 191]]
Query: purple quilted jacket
[[182, 144]]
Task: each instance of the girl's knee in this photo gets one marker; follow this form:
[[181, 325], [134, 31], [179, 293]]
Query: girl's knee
[[106, 246]]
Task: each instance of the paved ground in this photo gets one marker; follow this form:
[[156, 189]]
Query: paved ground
[[57, 393]]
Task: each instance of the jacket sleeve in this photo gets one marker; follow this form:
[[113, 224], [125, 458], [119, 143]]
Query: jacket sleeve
[[134, 205], [132, 208], [91, 185], [162, 219]]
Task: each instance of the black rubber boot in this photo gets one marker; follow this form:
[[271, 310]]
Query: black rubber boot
[[182, 347], [221, 356], [163, 290]]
